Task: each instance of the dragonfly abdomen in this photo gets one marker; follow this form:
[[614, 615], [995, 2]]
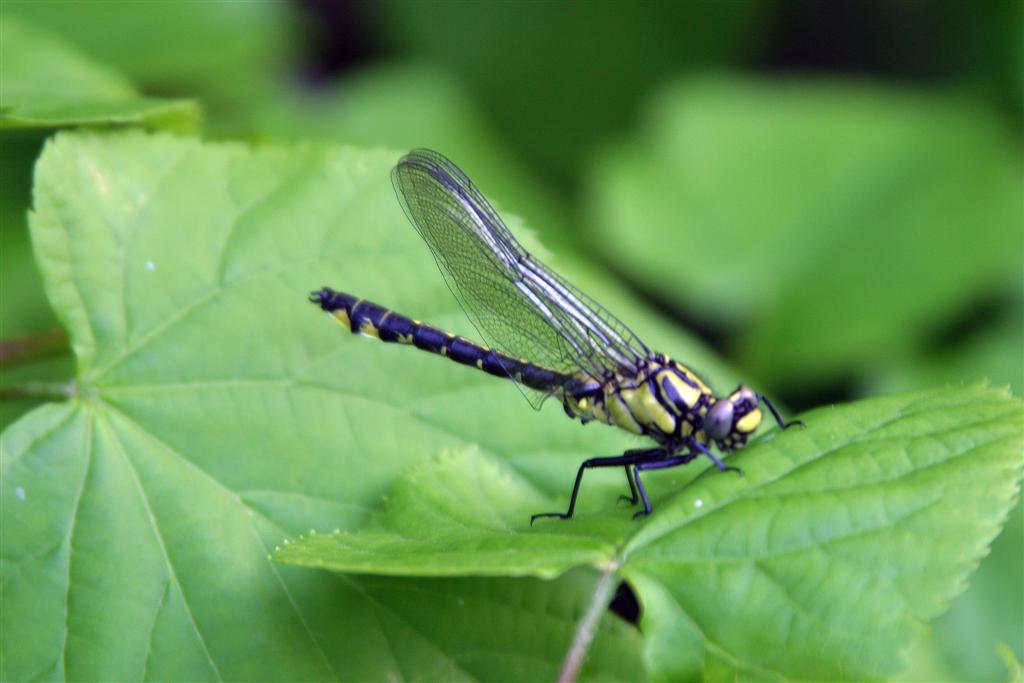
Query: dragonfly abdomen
[[367, 318]]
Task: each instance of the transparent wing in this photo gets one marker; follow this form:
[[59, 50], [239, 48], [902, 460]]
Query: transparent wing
[[519, 305]]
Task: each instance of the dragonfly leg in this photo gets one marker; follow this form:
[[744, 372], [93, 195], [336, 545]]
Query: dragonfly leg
[[654, 465], [632, 498], [625, 460], [778, 418], [704, 450]]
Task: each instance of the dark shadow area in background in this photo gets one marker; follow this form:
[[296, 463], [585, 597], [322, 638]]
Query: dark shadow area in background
[[926, 42], [985, 314], [337, 37]]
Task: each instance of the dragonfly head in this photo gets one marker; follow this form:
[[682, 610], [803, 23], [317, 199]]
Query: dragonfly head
[[732, 419]]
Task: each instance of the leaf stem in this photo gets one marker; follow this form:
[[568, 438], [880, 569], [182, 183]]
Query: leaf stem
[[22, 349], [588, 625]]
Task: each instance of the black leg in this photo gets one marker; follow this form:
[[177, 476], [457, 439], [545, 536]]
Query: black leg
[[778, 418], [632, 497], [654, 465], [626, 459], [701, 448]]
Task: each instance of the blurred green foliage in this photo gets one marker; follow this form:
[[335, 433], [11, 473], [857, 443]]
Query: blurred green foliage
[[841, 237], [47, 83], [217, 50], [556, 77], [834, 226]]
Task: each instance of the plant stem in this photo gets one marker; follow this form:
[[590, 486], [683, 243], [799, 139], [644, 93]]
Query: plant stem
[[588, 625], [21, 349]]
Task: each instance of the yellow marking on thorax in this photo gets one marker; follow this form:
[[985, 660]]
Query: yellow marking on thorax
[[692, 376], [620, 413], [369, 329], [404, 339], [688, 393], [647, 410]]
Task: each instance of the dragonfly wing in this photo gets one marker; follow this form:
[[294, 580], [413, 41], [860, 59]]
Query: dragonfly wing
[[519, 305]]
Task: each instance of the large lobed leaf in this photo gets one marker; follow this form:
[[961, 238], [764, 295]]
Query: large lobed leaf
[[822, 562], [217, 412]]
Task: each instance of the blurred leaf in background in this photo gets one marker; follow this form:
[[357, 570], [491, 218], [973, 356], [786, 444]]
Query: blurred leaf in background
[[556, 77], [832, 226], [216, 51], [47, 83]]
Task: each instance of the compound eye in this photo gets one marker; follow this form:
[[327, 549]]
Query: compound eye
[[718, 422]]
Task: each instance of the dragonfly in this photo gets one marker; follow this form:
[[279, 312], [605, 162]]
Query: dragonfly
[[549, 337]]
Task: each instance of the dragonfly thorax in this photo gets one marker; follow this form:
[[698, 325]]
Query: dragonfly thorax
[[663, 400], [666, 401]]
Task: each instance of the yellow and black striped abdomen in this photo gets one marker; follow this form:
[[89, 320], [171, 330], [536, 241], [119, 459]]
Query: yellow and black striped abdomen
[[367, 318]]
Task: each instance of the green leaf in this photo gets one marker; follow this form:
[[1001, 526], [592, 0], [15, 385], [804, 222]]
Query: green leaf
[[215, 412], [844, 538], [207, 47], [1015, 673], [462, 515], [369, 108], [48, 84], [825, 222], [822, 562], [991, 612]]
